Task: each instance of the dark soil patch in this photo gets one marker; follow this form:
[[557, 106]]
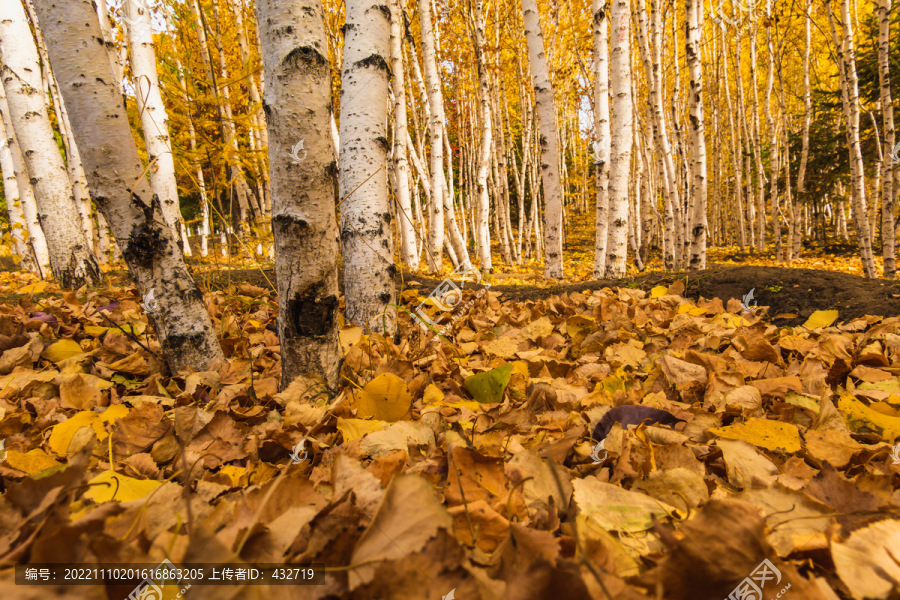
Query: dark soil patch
[[783, 290]]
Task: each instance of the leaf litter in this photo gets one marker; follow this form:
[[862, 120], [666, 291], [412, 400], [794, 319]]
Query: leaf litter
[[461, 463]]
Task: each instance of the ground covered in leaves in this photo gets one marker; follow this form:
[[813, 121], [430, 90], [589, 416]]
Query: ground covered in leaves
[[463, 462]]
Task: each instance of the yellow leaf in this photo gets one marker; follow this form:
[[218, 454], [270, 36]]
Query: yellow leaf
[[233, 473], [858, 416], [353, 429], [432, 394], [503, 347], [821, 318], [63, 433], [31, 462], [386, 398], [349, 337], [61, 350], [34, 288], [95, 330], [658, 291], [537, 329], [771, 435], [110, 486]]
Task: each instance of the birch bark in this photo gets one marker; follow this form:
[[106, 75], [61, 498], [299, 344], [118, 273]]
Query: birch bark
[[297, 104], [365, 214], [545, 106], [621, 140], [482, 200], [887, 108], [114, 169], [70, 257], [699, 181], [601, 126]]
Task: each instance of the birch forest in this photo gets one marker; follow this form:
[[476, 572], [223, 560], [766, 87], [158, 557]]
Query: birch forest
[[476, 299]]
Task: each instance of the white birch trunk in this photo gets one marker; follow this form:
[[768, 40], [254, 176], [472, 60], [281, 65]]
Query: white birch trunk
[[807, 119], [17, 226], [887, 108], [545, 106], [600, 23], [369, 289], [408, 247], [436, 129], [297, 103], [70, 257], [35, 239], [699, 181], [622, 137], [482, 201], [154, 120], [111, 161], [850, 100]]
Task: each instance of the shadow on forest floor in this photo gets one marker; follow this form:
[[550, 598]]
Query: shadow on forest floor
[[784, 290]]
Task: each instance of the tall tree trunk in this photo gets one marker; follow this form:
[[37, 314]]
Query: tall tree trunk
[[35, 239], [545, 106], [887, 108], [699, 182], [622, 137], [154, 120], [807, 118], [601, 126], [482, 200], [773, 137], [736, 148], [850, 99], [408, 247], [70, 256], [757, 141], [114, 169], [435, 125], [205, 230], [17, 226], [297, 103], [369, 290]]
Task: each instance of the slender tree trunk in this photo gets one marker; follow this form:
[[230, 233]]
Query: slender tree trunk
[[369, 290], [482, 200], [36, 240], [773, 138], [850, 100], [17, 226], [201, 181], [114, 169], [736, 147], [297, 103], [757, 141], [602, 128], [807, 119], [698, 219], [545, 106], [887, 108], [408, 247], [622, 118], [70, 257], [154, 120]]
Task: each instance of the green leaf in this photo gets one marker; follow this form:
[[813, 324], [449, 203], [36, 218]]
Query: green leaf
[[488, 388]]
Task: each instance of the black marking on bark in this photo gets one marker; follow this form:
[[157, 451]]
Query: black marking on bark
[[392, 270], [310, 315], [304, 59], [374, 60], [144, 245], [387, 217], [383, 143], [267, 109], [178, 344], [347, 27], [384, 10], [385, 297]]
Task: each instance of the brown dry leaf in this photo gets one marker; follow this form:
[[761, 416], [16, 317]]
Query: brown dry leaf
[[616, 509], [396, 531], [76, 392], [868, 562]]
